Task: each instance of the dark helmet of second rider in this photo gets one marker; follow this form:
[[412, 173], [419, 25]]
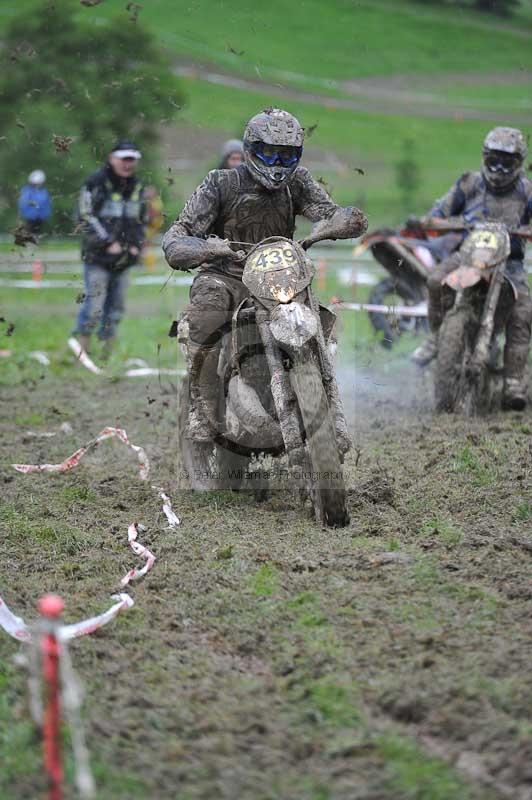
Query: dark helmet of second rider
[[503, 155]]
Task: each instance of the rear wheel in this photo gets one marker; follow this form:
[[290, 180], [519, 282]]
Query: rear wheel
[[327, 488]]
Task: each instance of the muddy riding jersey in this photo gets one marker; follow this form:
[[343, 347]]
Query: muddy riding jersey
[[472, 199], [231, 205]]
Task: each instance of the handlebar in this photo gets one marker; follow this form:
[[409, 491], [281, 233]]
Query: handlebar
[[304, 243], [439, 225]]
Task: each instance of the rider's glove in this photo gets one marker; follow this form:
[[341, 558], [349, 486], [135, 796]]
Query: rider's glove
[[220, 248], [187, 252]]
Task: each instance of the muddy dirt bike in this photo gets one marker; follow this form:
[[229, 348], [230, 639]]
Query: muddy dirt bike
[[408, 255], [278, 395], [466, 374]]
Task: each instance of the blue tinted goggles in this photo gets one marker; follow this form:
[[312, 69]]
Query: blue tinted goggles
[[502, 162], [275, 154]]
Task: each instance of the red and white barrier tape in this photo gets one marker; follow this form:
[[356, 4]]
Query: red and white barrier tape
[[171, 516], [92, 624], [419, 310], [139, 368], [142, 372], [14, 625], [38, 355], [82, 356], [73, 460], [137, 572], [18, 629]]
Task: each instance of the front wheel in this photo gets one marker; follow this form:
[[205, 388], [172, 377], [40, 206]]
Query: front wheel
[[452, 390], [327, 488]]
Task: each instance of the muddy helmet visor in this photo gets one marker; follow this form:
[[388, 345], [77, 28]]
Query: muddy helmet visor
[[506, 163], [272, 155]]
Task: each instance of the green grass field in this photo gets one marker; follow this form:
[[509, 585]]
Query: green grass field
[[267, 658], [314, 47], [334, 40]]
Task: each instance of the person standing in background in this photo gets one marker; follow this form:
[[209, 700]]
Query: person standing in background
[[112, 211], [232, 154], [34, 202]]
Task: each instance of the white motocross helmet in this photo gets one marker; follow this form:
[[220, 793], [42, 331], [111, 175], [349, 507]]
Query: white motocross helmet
[[273, 144]]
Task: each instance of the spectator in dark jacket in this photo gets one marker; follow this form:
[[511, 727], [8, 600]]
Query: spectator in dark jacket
[[34, 202], [112, 210]]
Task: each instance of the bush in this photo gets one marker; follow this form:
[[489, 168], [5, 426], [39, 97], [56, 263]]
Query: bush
[[68, 90]]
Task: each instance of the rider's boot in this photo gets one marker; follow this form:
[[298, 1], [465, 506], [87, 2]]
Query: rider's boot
[[518, 329], [426, 352], [203, 375], [84, 342]]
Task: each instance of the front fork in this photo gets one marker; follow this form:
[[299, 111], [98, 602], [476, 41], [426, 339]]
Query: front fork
[[283, 395], [481, 353], [330, 383]]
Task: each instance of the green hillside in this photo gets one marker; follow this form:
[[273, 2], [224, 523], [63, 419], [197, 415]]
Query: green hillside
[[336, 39], [372, 75]]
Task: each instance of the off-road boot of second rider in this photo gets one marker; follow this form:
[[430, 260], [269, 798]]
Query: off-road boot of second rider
[[516, 351]]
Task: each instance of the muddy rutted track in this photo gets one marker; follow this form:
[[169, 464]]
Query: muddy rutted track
[[265, 657]]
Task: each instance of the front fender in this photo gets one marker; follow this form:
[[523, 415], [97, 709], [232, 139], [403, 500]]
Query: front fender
[[293, 325], [464, 277]]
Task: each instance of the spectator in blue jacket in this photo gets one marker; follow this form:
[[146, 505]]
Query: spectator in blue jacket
[[35, 203]]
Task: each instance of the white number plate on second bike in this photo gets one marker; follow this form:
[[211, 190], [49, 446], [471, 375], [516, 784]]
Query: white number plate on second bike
[[273, 257]]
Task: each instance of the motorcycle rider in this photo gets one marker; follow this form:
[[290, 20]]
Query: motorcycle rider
[[500, 192], [259, 198]]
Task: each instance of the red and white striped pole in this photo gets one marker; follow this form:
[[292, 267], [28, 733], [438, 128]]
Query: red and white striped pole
[[51, 607]]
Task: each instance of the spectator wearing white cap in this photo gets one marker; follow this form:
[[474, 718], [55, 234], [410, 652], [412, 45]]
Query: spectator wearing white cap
[[34, 202], [112, 210]]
